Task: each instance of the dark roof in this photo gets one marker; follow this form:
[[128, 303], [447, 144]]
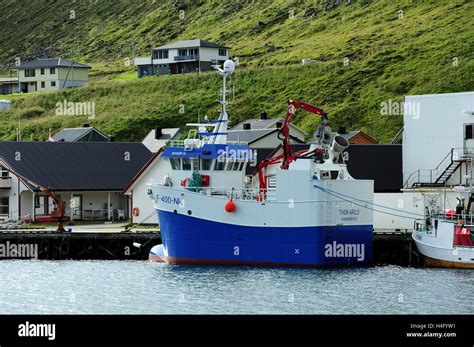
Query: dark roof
[[76, 166], [381, 163], [190, 44], [257, 124], [45, 63], [74, 134]]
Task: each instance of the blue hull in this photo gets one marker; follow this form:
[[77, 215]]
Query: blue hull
[[191, 240]]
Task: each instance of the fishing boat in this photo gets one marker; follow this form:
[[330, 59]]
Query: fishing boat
[[293, 209], [445, 237]]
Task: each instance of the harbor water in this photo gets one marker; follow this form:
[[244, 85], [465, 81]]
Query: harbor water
[[140, 287]]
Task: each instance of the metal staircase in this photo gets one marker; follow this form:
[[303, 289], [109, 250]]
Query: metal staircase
[[439, 176], [448, 172]]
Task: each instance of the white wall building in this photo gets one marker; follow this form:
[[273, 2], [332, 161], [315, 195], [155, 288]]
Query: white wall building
[[438, 133]]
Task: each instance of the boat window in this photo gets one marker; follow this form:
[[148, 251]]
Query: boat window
[[219, 165], [206, 164], [231, 164], [236, 165], [186, 164], [175, 163], [196, 166], [242, 165]]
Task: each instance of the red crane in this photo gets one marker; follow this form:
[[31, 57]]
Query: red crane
[[60, 211], [284, 135]]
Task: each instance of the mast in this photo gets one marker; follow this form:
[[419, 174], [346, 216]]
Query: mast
[[220, 133]]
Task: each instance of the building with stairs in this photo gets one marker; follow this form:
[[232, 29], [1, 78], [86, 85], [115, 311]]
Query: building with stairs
[[438, 140]]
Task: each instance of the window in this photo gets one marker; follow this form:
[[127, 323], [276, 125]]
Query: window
[[206, 164], [186, 164], [4, 205], [43, 84], [196, 166], [222, 52], [53, 83], [219, 165], [4, 173], [468, 132], [52, 71], [182, 52], [230, 165], [193, 51], [30, 73], [175, 163], [161, 54]]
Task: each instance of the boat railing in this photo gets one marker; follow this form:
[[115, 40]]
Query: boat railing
[[180, 143], [176, 143], [429, 225], [255, 194]]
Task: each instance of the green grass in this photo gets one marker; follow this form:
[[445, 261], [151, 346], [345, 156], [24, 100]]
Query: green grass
[[126, 76], [388, 58]]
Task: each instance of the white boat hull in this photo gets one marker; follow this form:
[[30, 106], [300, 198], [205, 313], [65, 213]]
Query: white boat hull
[[438, 248]]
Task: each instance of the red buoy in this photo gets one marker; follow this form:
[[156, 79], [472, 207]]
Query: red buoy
[[450, 214], [230, 206]]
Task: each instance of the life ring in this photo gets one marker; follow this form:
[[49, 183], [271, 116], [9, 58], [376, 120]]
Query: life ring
[[135, 211]]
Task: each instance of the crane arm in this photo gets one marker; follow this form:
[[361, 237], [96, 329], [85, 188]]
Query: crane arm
[[60, 213], [284, 135]]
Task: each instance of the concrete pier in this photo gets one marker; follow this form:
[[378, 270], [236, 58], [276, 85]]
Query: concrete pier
[[389, 247], [106, 245]]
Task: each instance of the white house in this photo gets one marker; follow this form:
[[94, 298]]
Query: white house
[[438, 136], [88, 176], [263, 132], [46, 75], [182, 57]]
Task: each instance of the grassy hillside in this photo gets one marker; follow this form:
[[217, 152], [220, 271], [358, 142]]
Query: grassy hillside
[[393, 48]]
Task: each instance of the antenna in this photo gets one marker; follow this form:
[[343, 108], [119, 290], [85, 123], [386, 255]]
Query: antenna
[[220, 135]]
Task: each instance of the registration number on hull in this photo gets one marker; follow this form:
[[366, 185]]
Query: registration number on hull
[[170, 200]]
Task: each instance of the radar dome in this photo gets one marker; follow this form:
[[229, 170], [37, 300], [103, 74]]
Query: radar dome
[[229, 66]]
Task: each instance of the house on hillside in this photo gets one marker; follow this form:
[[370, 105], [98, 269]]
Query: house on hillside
[[88, 177], [263, 132], [82, 134], [46, 75], [182, 57]]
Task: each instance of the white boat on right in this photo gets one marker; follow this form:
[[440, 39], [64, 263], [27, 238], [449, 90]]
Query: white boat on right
[[446, 238]]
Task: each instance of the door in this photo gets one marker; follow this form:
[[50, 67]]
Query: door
[[142, 71], [76, 207], [469, 138], [173, 68]]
